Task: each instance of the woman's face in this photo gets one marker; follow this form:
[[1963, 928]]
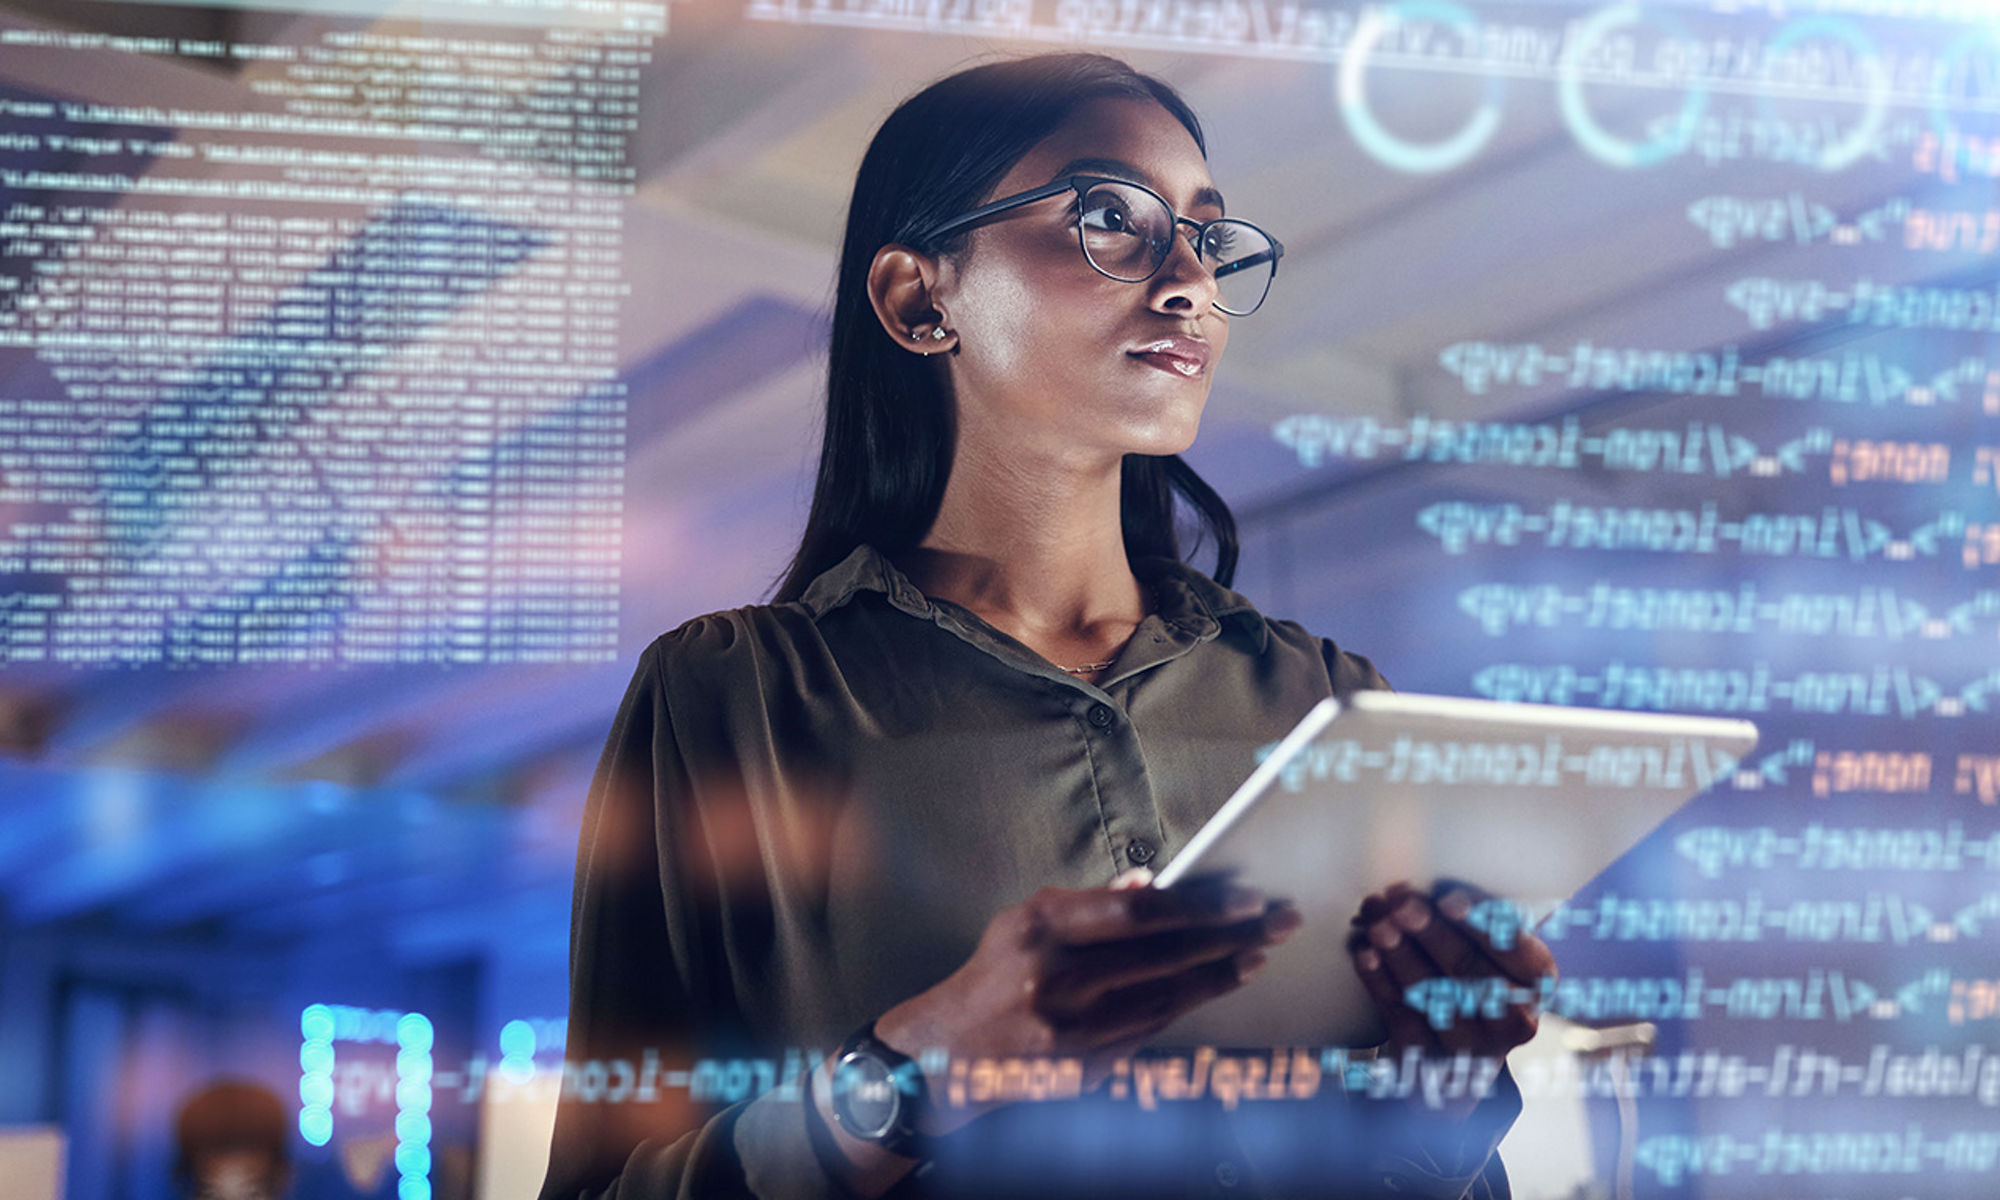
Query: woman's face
[[1054, 357]]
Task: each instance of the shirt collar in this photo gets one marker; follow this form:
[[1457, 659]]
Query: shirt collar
[[1186, 597]]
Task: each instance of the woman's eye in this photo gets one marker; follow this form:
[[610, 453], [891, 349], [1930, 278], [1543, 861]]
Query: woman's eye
[[1110, 218]]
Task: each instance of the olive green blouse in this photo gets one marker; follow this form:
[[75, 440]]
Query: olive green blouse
[[807, 812]]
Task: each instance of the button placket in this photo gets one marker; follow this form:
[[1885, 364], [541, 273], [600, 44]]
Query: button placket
[[1131, 820]]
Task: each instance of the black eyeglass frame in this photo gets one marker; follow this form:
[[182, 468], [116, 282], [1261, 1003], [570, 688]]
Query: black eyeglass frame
[[1081, 185]]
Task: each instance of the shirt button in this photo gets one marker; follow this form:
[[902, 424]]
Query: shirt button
[[1225, 1173], [1101, 715], [1140, 851]]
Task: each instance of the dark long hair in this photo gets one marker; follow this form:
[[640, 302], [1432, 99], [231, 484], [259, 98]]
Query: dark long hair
[[888, 445]]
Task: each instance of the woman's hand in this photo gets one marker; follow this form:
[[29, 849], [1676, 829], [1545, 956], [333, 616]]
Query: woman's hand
[[1090, 974], [1403, 938]]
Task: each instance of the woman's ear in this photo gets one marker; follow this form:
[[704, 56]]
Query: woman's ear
[[901, 285]]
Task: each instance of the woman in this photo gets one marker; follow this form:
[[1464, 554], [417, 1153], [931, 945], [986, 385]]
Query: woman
[[886, 813]]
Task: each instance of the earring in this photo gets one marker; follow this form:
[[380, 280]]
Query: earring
[[939, 334]]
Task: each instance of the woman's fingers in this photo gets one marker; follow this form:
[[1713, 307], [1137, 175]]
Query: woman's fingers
[[1081, 975], [1491, 935], [1406, 1026], [1088, 916], [1521, 955], [1137, 1013], [1481, 1011], [1088, 972], [1404, 941], [1377, 906], [1102, 964], [1118, 965], [1447, 944]]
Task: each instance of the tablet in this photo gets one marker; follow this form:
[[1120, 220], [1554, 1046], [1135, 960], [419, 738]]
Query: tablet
[[1527, 801]]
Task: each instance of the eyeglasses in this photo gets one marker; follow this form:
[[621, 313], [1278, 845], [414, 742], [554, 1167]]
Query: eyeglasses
[[1127, 231]]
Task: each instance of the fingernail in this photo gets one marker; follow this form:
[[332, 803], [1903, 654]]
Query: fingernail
[[1368, 960], [1455, 904], [1385, 935], [1249, 963], [1136, 877], [1413, 915], [1281, 922]]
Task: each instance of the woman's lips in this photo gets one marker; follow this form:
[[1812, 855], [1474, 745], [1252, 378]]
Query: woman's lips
[[1186, 357]]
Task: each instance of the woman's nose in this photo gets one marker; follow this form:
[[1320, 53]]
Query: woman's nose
[[1184, 279]]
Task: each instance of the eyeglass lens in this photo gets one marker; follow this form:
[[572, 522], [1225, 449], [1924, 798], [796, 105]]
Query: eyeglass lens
[[1128, 232]]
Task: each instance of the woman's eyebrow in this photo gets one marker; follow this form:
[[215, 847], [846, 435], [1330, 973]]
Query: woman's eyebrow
[[1120, 169]]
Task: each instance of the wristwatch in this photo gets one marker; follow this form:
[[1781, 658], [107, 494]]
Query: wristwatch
[[877, 1094]]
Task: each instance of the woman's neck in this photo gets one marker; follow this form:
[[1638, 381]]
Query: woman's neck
[[1034, 548]]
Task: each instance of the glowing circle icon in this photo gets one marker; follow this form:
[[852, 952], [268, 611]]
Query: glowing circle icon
[[316, 1126], [1851, 148], [1950, 63], [316, 1090], [316, 1023], [413, 1032], [413, 1158], [517, 1039], [1600, 142], [1387, 148]]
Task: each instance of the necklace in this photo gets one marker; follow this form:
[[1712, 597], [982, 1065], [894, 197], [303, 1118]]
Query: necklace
[[1085, 669], [1093, 668]]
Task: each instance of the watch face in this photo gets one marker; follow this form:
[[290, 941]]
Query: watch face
[[865, 1097]]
